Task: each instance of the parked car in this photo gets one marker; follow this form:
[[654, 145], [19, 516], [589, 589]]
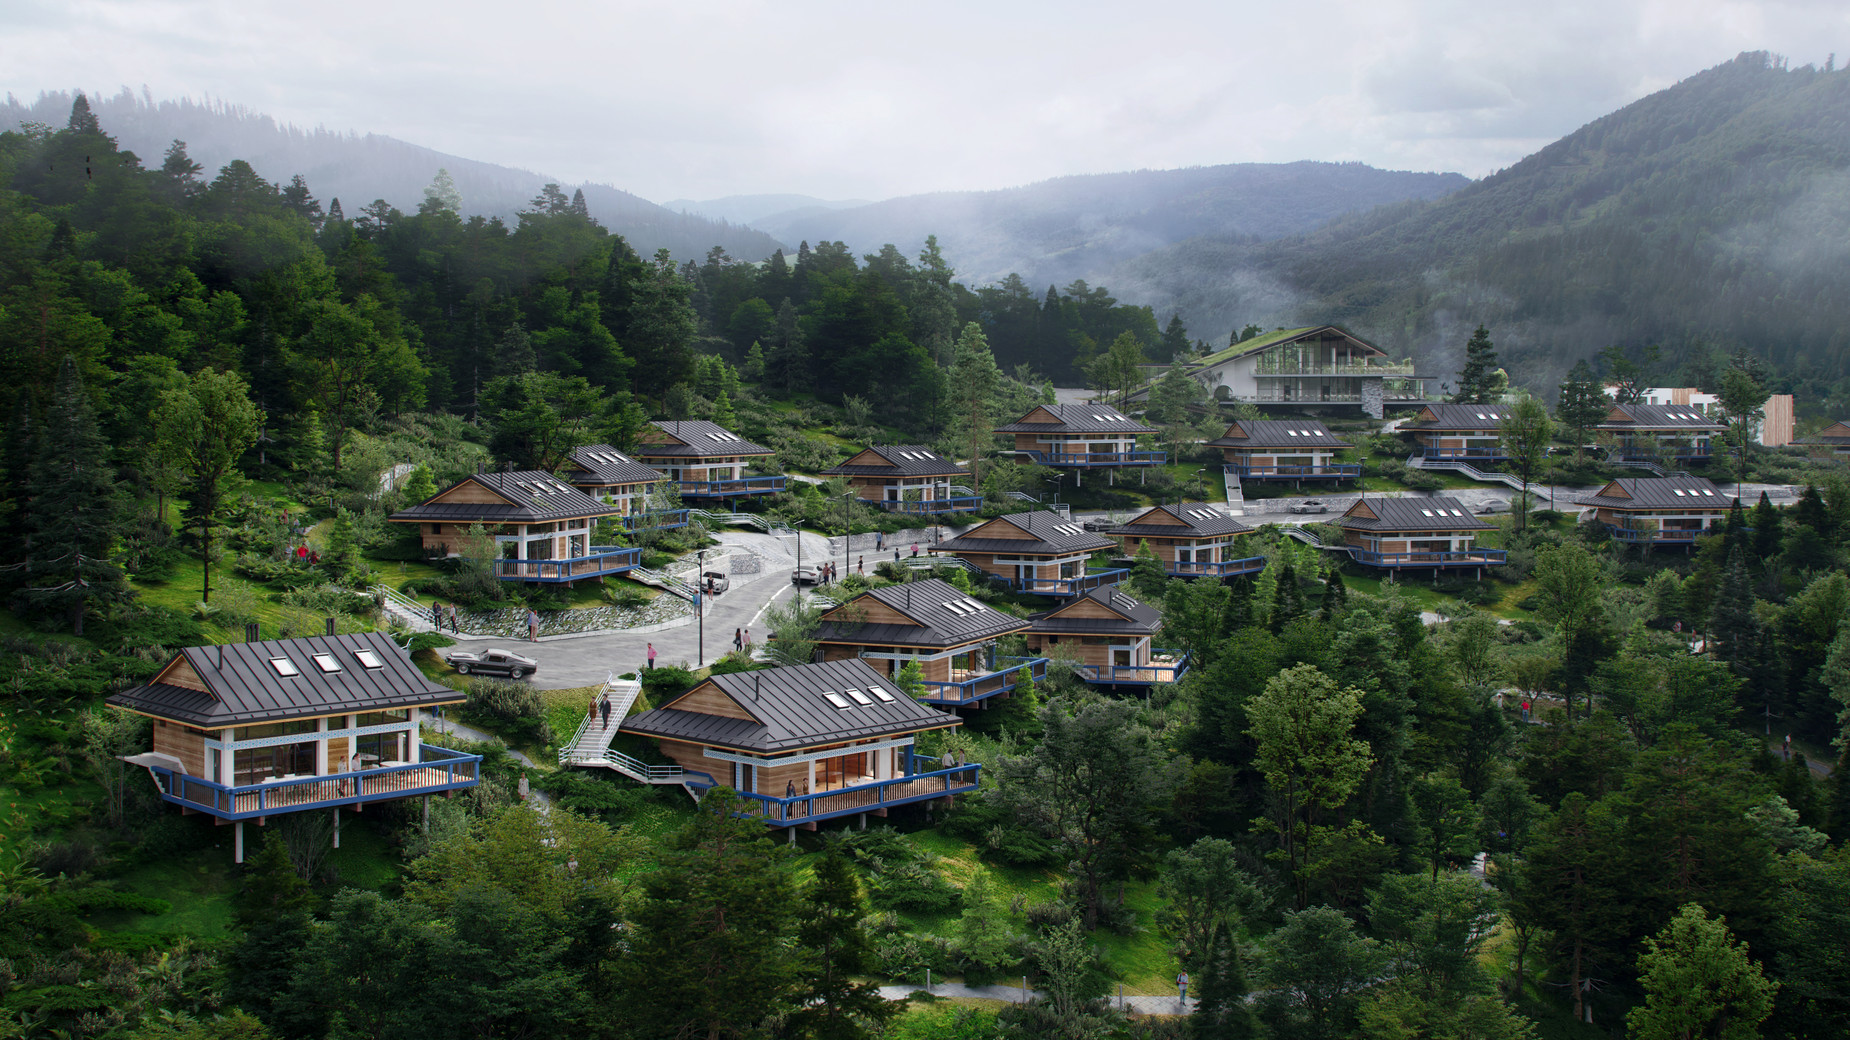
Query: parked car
[[493, 662], [806, 575], [1097, 524], [1492, 506], [1310, 505]]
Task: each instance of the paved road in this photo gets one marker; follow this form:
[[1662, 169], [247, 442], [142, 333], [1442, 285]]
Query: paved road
[[1141, 1003]]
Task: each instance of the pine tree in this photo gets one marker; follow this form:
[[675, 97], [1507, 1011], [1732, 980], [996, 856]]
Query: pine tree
[[1583, 406], [1478, 377], [974, 380], [830, 1005], [514, 353], [723, 415], [180, 170], [335, 216], [270, 911], [1335, 596], [83, 121], [298, 200], [1221, 1012], [77, 514], [1287, 598], [579, 209], [1175, 339]]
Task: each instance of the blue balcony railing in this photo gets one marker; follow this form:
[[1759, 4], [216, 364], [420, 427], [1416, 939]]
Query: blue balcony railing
[[601, 560], [1647, 450], [1164, 666], [1467, 558], [1491, 453], [659, 518], [1007, 675], [730, 488], [1328, 471], [1216, 568], [1074, 586], [952, 504], [810, 807], [1670, 535], [440, 769], [1098, 458]]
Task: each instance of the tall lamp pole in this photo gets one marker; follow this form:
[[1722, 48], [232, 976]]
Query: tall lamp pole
[[847, 533], [700, 603]]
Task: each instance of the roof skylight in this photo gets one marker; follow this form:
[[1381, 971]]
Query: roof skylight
[[369, 658], [327, 663], [838, 700], [880, 694], [284, 666], [859, 698]]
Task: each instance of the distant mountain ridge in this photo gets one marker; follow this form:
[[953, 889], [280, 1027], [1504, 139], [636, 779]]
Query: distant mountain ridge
[[759, 211], [1712, 215], [1082, 227], [359, 168]]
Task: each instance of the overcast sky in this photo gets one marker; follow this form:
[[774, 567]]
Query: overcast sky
[[869, 100]]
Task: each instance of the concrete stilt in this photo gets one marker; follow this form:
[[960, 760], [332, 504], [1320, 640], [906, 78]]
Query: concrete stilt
[[792, 832], [863, 821], [337, 826], [425, 826], [237, 842]]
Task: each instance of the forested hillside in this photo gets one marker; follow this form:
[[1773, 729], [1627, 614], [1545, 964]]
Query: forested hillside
[[358, 169], [1081, 227], [1714, 213]]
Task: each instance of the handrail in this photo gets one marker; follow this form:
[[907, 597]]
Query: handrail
[[729, 486], [1218, 568], [1099, 458], [952, 504], [765, 524], [1329, 469], [600, 560], [1429, 559], [1177, 667], [1063, 586], [272, 797], [775, 809], [416, 615], [1006, 679]]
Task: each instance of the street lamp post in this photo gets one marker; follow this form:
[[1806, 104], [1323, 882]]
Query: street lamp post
[[1201, 485], [700, 603], [847, 533]]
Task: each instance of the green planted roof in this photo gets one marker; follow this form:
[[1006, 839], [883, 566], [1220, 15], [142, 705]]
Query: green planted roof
[[1256, 343]]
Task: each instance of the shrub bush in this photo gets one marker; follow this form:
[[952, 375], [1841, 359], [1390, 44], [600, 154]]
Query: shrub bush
[[514, 709]]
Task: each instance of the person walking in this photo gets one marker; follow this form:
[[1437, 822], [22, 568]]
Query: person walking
[[738, 640], [915, 550], [1182, 987], [748, 642], [603, 707], [895, 555], [651, 657], [533, 625], [436, 615], [453, 629], [879, 540], [860, 565]]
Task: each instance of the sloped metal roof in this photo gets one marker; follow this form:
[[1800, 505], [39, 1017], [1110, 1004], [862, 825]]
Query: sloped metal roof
[[698, 439], [1278, 433], [904, 460], [1135, 616], [1659, 493], [1199, 520], [603, 465], [1411, 514], [945, 616], [1052, 535], [527, 496], [1078, 418]]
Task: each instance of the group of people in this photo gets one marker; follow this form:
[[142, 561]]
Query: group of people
[[440, 613], [600, 707], [305, 555], [741, 640]]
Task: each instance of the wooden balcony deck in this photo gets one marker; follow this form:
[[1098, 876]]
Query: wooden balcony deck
[[442, 770]]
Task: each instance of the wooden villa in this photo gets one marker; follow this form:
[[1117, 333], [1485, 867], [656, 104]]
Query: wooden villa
[[704, 460], [1414, 533], [1112, 636], [247, 731], [1648, 432], [1832, 442], [541, 526], [951, 637], [1652, 511], [906, 478], [1469, 432], [1081, 437], [616, 479], [1283, 449], [804, 743], [1043, 553], [1192, 539]]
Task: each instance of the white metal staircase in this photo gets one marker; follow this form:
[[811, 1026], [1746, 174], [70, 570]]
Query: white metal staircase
[[1465, 468], [415, 615], [1236, 496], [762, 523], [590, 746]]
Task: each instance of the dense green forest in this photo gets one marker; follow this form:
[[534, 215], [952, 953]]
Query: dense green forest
[[1523, 806], [1711, 215]]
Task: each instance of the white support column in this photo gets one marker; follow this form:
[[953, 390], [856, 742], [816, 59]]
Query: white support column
[[811, 789], [321, 747], [228, 759], [237, 841], [413, 753]]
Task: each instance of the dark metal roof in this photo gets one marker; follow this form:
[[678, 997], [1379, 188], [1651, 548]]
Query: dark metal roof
[[600, 465], [1053, 535], [1659, 416], [698, 439], [1137, 618], [1278, 433], [945, 616], [245, 688], [1486, 418], [1411, 514], [1658, 493], [791, 711], [1199, 520], [529, 496], [1078, 418], [903, 460]]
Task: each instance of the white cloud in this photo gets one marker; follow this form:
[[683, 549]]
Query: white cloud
[[853, 99]]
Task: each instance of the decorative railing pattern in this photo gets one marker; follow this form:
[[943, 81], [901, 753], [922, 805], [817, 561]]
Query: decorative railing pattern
[[602, 559], [1436, 558], [1216, 568], [440, 769], [1492, 453], [731, 487], [1327, 471], [1074, 586], [1288, 367], [658, 518], [1678, 535], [817, 805], [951, 504], [1099, 458], [987, 685], [1164, 666]]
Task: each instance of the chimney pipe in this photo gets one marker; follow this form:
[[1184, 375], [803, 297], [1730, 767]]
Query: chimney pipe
[[250, 632], [330, 626], [755, 680]]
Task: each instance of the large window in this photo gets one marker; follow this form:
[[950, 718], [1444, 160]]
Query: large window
[[259, 764], [275, 729]]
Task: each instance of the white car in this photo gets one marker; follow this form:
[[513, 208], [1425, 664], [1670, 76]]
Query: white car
[[806, 575], [493, 662], [1310, 505]]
